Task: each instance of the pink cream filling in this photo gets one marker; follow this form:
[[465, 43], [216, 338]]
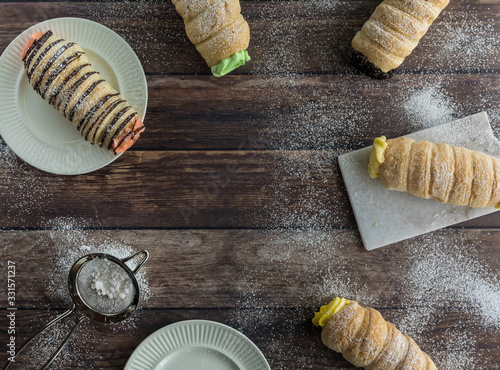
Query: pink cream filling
[[128, 138], [33, 38]]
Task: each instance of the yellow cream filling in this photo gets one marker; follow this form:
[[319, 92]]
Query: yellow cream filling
[[377, 156], [327, 311]]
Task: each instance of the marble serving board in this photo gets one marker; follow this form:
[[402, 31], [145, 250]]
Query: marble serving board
[[385, 217]]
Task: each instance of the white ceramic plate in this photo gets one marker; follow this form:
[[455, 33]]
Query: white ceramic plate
[[197, 345], [36, 131]]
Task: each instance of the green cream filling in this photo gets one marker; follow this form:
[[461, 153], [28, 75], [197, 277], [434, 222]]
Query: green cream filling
[[230, 64]]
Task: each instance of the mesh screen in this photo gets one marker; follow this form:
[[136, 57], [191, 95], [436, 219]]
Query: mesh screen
[[105, 286]]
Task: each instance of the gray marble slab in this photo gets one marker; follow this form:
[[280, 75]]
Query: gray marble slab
[[385, 217]]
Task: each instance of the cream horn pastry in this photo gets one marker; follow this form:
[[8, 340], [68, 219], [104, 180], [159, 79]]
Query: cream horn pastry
[[60, 72], [447, 173], [391, 34], [218, 30], [367, 340]]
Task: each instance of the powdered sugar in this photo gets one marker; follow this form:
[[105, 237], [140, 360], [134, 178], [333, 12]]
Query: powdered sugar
[[429, 106], [24, 188], [110, 280], [466, 41], [454, 277]]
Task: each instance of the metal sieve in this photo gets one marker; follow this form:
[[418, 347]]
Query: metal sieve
[[87, 299]]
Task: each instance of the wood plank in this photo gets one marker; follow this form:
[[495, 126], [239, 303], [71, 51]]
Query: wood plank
[[181, 189], [189, 189], [286, 337], [264, 284], [259, 269], [285, 34], [306, 112]]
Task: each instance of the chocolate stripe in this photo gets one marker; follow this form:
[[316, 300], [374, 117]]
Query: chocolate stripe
[[82, 98], [68, 95], [140, 128], [122, 126], [114, 121], [58, 70], [98, 121], [56, 55], [35, 47], [40, 57], [94, 109], [61, 86]]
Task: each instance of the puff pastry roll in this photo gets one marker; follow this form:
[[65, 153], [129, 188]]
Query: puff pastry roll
[[391, 34], [447, 173], [367, 340], [218, 30], [60, 72]]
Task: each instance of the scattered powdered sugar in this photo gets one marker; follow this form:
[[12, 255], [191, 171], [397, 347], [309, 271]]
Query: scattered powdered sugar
[[154, 25], [458, 347], [441, 283], [444, 274], [428, 106], [466, 41], [74, 355], [454, 276], [25, 189], [288, 23]]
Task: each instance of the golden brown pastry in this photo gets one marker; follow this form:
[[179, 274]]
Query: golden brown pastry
[[366, 340], [391, 34], [447, 173], [218, 30], [60, 72]]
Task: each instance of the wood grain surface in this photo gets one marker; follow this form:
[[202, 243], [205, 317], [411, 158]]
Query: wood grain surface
[[235, 191]]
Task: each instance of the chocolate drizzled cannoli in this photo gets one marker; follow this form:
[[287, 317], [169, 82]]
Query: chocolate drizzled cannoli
[[60, 72]]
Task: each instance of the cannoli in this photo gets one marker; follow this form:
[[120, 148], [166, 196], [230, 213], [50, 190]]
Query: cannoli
[[447, 173], [366, 339], [60, 72], [218, 30], [391, 34]]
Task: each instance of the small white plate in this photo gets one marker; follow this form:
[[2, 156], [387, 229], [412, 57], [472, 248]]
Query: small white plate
[[37, 132], [197, 345]]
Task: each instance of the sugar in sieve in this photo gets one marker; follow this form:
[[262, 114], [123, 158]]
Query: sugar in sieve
[[88, 300]]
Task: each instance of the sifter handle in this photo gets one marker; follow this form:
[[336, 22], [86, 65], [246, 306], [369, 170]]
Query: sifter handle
[[51, 360], [57, 319], [141, 263]]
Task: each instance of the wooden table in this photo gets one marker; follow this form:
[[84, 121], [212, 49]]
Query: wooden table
[[235, 190]]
